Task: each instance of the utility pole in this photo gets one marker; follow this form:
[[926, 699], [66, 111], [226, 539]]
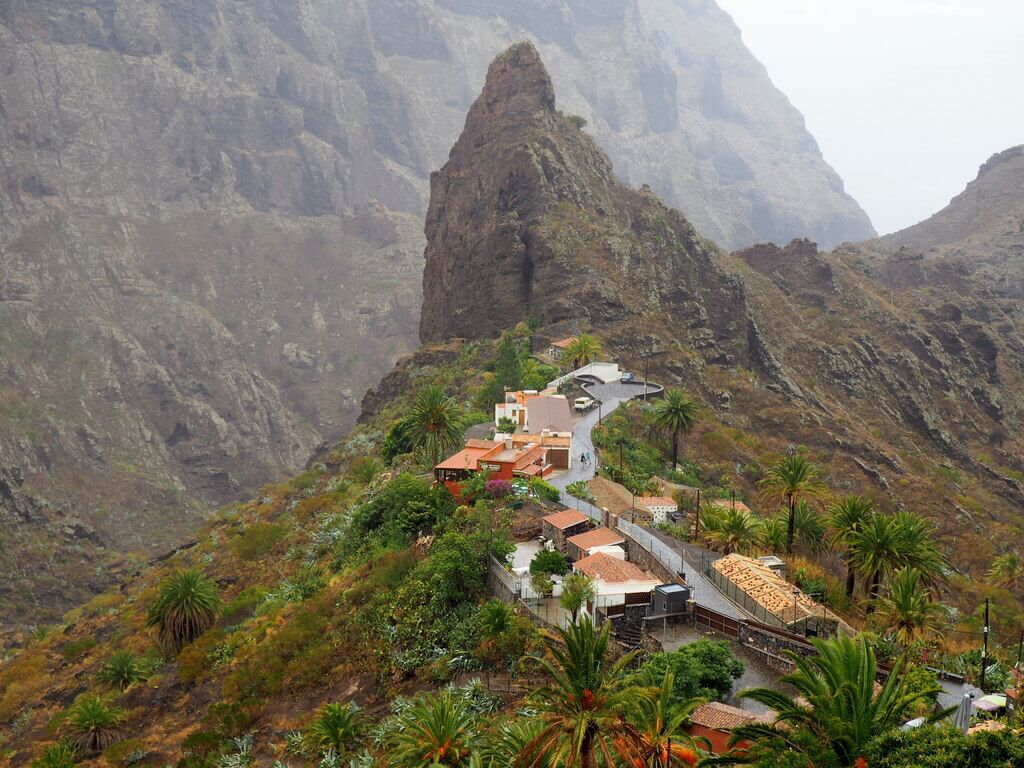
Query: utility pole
[[1020, 647], [647, 370], [984, 652], [732, 494], [696, 516]]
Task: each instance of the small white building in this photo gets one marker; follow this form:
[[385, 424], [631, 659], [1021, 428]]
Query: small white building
[[660, 507], [616, 582]]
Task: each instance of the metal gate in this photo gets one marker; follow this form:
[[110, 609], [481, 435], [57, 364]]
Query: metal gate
[[718, 622]]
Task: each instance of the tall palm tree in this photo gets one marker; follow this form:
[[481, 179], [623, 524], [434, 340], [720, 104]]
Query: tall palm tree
[[837, 701], [846, 516], [791, 480], [675, 413], [1007, 571], [186, 605], [583, 709], [577, 591], [583, 350], [773, 534], [436, 732], [906, 609], [808, 527], [435, 422], [876, 549], [735, 531], [659, 722], [918, 548]]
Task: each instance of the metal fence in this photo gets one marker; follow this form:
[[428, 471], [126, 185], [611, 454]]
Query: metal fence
[[664, 554], [742, 599]]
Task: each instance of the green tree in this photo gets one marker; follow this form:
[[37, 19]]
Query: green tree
[[437, 731], [435, 423], [809, 528], [676, 414], [773, 534], [1007, 572], [790, 481], [836, 702], [583, 707], [396, 441], [577, 591], [549, 562], [506, 425], [943, 746], [660, 725], [92, 726], [186, 605], [122, 670], [337, 727], [583, 350], [703, 669], [540, 582], [907, 610], [735, 531], [846, 517], [507, 370]]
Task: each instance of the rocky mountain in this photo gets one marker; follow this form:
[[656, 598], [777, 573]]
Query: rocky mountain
[[918, 400], [210, 213]]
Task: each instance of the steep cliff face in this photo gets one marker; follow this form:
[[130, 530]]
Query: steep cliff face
[[897, 390], [210, 237]]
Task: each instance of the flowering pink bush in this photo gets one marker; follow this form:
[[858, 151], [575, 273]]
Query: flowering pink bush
[[499, 489]]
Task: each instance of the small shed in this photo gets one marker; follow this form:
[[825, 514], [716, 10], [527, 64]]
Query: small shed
[[558, 527], [598, 539], [669, 600]]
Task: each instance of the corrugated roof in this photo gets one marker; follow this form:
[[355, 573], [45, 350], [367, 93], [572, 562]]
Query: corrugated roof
[[552, 413], [604, 567], [567, 518], [599, 537]]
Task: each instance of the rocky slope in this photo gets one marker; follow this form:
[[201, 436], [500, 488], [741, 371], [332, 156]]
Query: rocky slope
[[210, 212], [917, 401]]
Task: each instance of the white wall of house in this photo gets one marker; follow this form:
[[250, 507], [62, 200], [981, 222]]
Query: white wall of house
[[661, 513], [609, 549], [606, 372]]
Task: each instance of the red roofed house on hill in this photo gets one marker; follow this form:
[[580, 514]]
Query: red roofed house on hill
[[503, 460], [616, 582]]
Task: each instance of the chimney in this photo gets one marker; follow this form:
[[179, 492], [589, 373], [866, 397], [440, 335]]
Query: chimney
[[508, 443]]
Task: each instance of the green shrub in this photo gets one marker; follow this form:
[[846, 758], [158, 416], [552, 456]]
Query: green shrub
[[122, 670], [337, 727], [92, 725], [124, 753], [544, 490], [942, 746], [397, 441], [549, 562], [194, 658], [257, 540], [705, 668], [59, 755], [244, 604], [77, 648]]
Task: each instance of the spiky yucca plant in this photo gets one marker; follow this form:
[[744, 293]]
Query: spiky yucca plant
[[185, 607], [337, 727], [92, 725], [436, 732], [122, 670], [59, 755]]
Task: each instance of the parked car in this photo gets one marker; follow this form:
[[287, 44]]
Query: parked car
[[627, 378], [583, 403]]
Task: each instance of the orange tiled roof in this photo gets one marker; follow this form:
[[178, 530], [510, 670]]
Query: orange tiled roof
[[468, 457], [563, 343], [656, 501], [611, 570], [567, 518], [721, 717], [599, 537]]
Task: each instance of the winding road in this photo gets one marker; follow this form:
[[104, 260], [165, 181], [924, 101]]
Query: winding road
[[611, 396]]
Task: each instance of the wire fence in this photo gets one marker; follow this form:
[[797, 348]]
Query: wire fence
[[664, 554]]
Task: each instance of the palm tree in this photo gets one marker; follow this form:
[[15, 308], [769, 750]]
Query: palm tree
[[1007, 571], [509, 744], [337, 727], [675, 413], [735, 531], [435, 422], [92, 726], [436, 732], [808, 527], [659, 722], [122, 670], [906, 609], [773, 534], [918, 548], [582, 710], [577, 591], [837, 701], [876, 549], [845, 517], [186, 606], [583, 350], [791, 480]]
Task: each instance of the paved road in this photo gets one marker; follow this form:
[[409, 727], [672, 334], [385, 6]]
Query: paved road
[[611, 396]]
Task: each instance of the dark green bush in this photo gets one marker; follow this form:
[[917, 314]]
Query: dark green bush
[[549, 562], [945, 747]]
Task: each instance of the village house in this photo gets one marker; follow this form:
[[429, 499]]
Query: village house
[[659, 507], [616, 582], [501, 459], [535, 412], [761, 591], [599, 539], [559, 446], [558, 527], [714, 721], [558, 347]]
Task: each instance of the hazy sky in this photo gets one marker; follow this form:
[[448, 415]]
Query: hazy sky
[[905, 97]]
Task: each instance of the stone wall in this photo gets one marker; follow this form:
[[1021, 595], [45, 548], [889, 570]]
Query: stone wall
[[773, 645], [644, 559]]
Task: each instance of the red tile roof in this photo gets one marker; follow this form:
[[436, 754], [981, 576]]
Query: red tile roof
[[611, 570], [722, 717], [599, 537], [562, 343], [656, 501], [567, 518]]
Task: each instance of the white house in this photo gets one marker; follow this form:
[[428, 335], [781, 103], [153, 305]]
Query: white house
[[616, 582], [660, 507]]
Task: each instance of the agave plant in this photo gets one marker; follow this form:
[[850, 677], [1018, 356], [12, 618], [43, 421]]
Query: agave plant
[[337, 727], [92, 725], [122, 670], [58, 755], [185, 607]]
